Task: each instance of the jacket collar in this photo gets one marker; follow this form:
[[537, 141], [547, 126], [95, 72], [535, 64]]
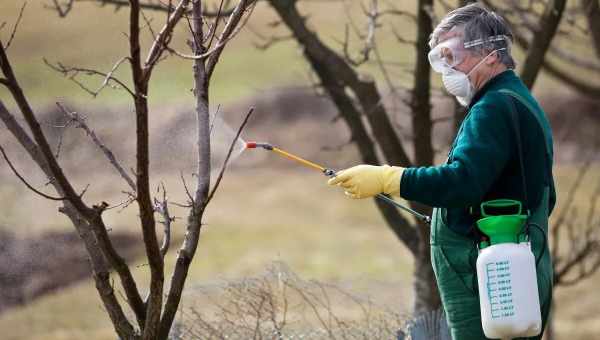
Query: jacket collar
[[496, 82]]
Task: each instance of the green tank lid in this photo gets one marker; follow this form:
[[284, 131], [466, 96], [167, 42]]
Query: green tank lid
[[502, 220]]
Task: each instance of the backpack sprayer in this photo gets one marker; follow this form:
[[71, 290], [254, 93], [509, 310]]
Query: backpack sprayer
[[332, 173]]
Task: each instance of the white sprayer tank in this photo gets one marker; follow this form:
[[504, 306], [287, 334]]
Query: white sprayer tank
[[508, 291]]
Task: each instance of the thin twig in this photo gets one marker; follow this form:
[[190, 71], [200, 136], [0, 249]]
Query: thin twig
[[213, 31], [267, 42], [14, 31], [187, 191], [107, 152], [148, 24], [25, 181], [163, 38], [208, 53], [72, 72], [212, 124], [226, 162], [59, 9], [160, 7]]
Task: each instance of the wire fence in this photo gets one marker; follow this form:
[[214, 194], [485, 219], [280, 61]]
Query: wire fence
[[280, 306]]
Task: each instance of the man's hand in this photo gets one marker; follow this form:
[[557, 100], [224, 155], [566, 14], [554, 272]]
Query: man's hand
[[364, 181]]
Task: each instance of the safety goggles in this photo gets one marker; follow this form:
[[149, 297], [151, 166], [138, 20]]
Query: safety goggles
[[452, 52], [447, 54]]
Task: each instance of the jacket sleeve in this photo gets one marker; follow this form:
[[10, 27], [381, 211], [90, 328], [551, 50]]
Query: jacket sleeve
[[480, 152]]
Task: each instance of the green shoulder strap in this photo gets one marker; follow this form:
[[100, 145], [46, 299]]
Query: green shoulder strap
[[532, 110]]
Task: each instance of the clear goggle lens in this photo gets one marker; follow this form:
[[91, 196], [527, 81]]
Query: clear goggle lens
[[446, 54]]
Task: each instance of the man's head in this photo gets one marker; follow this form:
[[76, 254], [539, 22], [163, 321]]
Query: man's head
[[474, 41]]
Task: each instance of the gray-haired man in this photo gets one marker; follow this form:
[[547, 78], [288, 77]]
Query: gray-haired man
[[471, 49]]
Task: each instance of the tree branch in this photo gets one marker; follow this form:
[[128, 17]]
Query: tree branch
[[59, 9], [163, 38], [14, 31], [29, 186], [232, 27], [156, 6], [583, 256], [72, 72], [365, 90], [335, 75], [146, 209], [583, 86], [229, 152], [84, 228], [542, 38], [39, 136], [107, 152], [541, 41]]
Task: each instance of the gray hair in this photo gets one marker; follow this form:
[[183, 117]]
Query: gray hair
[[478, 23]]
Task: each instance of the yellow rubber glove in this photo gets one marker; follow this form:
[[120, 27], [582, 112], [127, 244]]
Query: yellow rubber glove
[[364, 181]]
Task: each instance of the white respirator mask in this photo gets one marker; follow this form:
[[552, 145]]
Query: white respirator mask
[[449, 53]]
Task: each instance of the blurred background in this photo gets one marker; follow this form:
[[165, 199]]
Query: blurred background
[[267, 209]]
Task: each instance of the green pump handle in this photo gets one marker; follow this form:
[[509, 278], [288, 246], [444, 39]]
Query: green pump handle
[[501, 204], [502, 221]]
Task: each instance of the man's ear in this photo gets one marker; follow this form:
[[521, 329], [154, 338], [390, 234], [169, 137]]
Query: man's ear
[[492, 58]]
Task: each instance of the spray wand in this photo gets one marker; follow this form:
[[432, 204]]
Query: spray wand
[[331, 173]]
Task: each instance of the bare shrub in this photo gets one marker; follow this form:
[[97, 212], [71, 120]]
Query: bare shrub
[[281, 305]]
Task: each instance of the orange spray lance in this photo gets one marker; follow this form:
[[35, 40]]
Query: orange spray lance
[[331, 173]]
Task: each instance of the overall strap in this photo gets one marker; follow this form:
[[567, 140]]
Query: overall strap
[[532, 110], [514, 117], [515, 122]]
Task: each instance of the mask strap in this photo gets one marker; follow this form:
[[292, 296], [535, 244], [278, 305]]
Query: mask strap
[[482, 60]]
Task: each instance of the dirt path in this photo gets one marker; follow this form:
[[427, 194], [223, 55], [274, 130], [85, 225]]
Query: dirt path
[[34, 266]]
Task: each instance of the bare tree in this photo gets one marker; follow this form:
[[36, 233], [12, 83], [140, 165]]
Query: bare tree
[[540, 33], [361, 105], [153, 316]]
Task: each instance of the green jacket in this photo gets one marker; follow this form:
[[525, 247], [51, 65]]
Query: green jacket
[[483, 163]]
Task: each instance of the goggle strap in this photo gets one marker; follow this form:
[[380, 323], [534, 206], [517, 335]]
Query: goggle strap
[[469, 44]]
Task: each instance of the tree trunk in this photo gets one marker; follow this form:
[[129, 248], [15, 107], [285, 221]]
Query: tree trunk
[[541, 41], [338, 78], [427, 297], [426, 294]]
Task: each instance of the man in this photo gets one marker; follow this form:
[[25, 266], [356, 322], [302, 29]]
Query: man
[[471, 49]]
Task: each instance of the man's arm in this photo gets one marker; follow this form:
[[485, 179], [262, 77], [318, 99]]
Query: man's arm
[[482, 150]]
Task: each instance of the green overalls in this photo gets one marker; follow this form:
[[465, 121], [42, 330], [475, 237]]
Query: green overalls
[[483, 165]]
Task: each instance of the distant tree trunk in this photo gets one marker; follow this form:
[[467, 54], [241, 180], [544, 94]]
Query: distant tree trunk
[[339, 79], [427, 297], [541, 41]]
